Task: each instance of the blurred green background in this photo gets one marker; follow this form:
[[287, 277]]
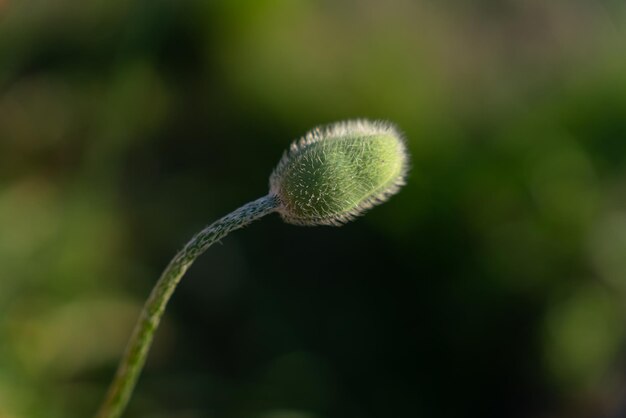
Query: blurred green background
[[493, 285]]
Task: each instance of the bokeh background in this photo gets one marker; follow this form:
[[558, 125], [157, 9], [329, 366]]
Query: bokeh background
[[493, 285]]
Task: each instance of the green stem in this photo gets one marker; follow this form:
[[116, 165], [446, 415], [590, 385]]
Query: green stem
[[137, 349]]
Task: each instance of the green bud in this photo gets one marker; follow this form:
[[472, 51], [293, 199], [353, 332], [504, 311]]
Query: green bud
[[326, 178], [335, 173]]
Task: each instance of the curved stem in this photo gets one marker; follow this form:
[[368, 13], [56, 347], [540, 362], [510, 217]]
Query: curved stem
[[137, 349]]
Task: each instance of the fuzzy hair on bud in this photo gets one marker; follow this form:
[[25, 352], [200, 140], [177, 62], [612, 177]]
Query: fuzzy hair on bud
[[335, 173]]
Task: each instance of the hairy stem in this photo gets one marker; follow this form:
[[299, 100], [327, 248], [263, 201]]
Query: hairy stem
[[137, 349]]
